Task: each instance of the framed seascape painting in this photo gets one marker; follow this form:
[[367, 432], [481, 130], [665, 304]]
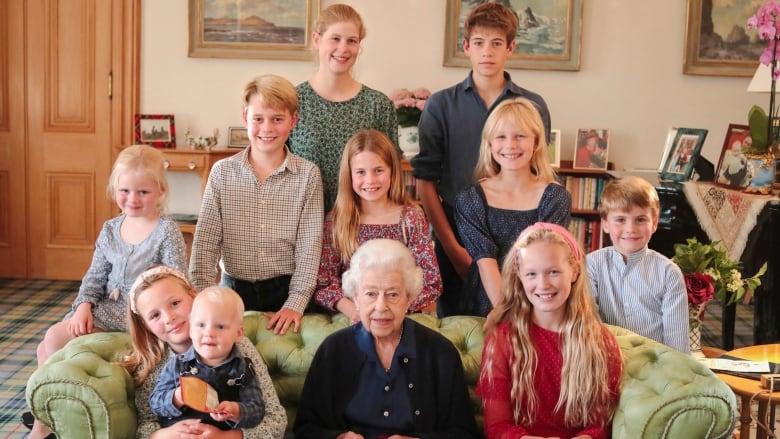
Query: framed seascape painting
[[549, 34], [257, 30], [155, 129], [591, 148], [717, 41], [554, 148], [681, 157]]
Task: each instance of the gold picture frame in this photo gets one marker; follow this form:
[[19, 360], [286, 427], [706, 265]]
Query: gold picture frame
[[263, 30], [705, 52], [551, 44]]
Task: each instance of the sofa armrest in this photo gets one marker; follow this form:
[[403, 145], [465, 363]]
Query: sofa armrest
[[79, 393], [668, 394]]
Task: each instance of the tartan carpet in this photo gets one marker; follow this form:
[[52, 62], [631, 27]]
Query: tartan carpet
[[28, 308]]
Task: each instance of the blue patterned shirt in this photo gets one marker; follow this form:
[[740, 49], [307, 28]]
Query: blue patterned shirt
[[645, 294]]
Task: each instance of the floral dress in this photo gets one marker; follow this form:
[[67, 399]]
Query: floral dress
[[412, 229]]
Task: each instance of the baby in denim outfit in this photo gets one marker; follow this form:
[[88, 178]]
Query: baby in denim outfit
[[216, 325]]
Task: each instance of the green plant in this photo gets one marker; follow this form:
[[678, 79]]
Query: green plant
[[712, 260]]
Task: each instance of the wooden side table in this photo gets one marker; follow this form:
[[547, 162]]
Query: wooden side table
[[745, 388]]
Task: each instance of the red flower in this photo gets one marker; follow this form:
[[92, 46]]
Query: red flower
[[700, 288]]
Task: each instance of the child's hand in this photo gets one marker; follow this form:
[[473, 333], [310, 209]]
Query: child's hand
[[227, 411], [81, 322], [281, 321]]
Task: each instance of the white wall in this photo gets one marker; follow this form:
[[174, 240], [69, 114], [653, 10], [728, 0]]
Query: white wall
[[630, 79]]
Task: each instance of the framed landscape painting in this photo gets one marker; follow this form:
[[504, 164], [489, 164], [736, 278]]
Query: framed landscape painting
[[717, 41], [548, 37], [258, 30], [679, 161]]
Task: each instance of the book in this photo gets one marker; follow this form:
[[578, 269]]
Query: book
[[740, 367]]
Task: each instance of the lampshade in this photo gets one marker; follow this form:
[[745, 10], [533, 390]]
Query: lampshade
[[762, 80]]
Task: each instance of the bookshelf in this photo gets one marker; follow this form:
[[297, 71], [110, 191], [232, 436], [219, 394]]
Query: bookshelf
[[585, 187], [409, 181]]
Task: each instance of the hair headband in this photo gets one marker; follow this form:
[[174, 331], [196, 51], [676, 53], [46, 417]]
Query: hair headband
[[575, 249], [152, 274]]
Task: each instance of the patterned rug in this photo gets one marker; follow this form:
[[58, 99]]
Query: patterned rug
[[28, 308]]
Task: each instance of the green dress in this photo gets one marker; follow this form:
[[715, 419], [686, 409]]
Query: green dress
[[325, 126]]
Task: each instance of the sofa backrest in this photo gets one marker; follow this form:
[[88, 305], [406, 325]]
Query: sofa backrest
[[288, 357]]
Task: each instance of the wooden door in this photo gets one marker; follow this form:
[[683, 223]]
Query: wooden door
[[79, 78], [13, 207]]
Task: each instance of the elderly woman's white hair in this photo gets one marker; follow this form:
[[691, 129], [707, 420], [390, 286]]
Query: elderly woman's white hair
[[387, 255]]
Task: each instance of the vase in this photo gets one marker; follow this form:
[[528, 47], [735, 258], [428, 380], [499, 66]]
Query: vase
[[761, 171], [409, 141], [695, 317]]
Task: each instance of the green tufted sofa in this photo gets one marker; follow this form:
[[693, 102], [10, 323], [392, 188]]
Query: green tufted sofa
[[665, 394]]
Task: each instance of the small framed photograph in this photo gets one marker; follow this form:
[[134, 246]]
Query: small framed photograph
[[554, 148], [237, 137], [157, 130], [667, 147], [686, 147], [733, 169], [590, 149]]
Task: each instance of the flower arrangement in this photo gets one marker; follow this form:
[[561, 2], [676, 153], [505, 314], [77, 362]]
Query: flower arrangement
[[409, 105], [765, 20], [710, 272]]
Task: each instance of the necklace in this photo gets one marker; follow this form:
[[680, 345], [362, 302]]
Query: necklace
[[397, 342]]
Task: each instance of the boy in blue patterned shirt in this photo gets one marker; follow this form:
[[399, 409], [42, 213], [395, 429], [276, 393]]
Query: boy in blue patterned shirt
[[635, 287]]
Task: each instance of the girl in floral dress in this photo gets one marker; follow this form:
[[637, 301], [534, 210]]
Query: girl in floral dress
[[333, 105], [372, 203]]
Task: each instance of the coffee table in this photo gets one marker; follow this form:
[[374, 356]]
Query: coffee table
[[746, 388]]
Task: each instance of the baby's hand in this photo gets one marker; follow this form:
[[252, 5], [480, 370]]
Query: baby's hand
[[227, 411]]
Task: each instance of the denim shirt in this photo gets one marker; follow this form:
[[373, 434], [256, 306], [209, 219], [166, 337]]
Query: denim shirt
[[234, 380]]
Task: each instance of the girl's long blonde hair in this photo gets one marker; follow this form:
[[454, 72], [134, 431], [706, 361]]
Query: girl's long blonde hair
[[147, 350], [585, 394], [526, 117], [346, 210]]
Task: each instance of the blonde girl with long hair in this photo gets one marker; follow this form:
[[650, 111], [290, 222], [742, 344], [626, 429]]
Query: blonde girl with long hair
[[550, 368], [158, 315], [515, 186], [372, 203]]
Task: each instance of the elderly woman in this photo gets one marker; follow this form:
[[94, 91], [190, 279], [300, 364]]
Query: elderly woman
[[386, 376]]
